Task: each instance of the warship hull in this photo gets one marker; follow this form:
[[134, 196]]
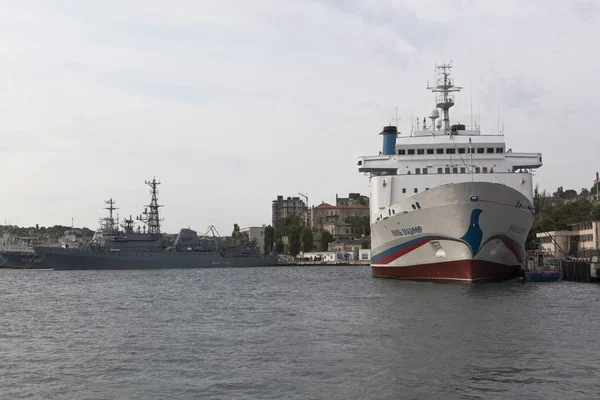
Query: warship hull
[[72, 259], [21, 260]]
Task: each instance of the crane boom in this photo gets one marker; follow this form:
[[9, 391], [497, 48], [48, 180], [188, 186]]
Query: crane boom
[[305, 197]]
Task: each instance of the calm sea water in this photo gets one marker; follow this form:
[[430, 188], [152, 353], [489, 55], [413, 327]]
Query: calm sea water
[[293, 333]]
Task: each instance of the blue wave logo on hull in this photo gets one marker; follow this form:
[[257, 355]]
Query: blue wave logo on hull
[[474, 234], [472, 238]]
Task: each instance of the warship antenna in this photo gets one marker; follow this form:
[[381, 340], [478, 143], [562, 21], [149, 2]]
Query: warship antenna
[[150, 217], [110, 221], [444, 92]]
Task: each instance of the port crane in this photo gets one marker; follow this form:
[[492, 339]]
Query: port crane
[[305, 197]]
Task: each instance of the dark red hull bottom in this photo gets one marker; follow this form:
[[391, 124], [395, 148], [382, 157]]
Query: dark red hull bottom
[[463, 271]]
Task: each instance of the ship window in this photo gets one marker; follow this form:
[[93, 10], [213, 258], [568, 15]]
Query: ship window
[[439, 151], [461, 150], [440, 170], [450, 151], [477, 170], [490, 150], [417, 171], [471, 151], [403, 190], [429, 151], [411, 151], [401, 152], [485, 170], [455, 170], [426, 188], [447, 170], [424, 171], [416, 190], [499, 150], [480, 150], [462, 170], [420, 151]]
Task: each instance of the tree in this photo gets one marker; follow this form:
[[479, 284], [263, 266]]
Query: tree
[[279, 246], [294, 239], [269, 239], [306, 238], [236, 235], [570, 194], [584, 192], [559, 194], [326, 238], [360, 225]]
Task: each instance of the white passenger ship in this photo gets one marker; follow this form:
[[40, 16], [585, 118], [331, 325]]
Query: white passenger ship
[[447, 203]]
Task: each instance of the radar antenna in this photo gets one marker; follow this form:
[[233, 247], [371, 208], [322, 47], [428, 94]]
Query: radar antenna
[[443, 89], [150, 217], [128, 225]]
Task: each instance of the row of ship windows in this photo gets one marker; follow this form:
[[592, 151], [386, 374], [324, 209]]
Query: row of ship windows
[[460, 150], [446, 170]]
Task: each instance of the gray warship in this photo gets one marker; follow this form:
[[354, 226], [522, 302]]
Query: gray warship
[[121, 247]]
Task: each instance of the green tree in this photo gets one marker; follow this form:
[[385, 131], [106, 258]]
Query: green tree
[[269, 239], [326, 238], [294, 239], [236, 234], [279, 246], [360, 225], [559, 194], [306, 238], [570, 193]]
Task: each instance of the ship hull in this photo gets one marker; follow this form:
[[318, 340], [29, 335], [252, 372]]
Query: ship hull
[[465, 232], [462, 271], [21, 260], [73, 259]]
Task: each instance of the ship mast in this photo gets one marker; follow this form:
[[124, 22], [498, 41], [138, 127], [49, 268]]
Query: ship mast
[[150, 216], [108, 223], [444, 97]]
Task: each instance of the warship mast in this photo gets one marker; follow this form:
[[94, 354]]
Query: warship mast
[[150, 217], [108, 223]]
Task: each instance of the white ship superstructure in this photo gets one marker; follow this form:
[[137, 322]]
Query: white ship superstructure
[[448, 203]]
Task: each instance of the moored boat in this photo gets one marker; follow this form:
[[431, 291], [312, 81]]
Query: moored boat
[[448, 203]]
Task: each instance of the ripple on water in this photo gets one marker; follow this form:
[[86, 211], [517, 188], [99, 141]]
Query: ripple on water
[[309, 332]]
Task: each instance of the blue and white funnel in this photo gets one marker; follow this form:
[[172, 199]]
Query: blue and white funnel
[[389, 139]]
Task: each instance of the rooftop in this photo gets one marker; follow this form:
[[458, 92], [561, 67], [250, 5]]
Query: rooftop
[[327, 206]]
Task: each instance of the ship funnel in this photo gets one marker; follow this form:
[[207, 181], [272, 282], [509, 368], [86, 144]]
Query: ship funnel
[[390, 133]]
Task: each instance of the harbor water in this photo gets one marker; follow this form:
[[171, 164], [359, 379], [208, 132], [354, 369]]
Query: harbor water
[[293, 333]]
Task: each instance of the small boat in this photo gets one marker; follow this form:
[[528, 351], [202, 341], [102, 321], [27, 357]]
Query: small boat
[[543, 275]]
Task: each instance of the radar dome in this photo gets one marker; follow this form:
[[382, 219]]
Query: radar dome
[[434, 113]]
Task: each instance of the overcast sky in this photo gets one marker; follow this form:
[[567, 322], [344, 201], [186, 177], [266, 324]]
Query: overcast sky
[[230, 103]]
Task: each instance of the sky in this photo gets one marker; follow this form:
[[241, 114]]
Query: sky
[[232, 103]]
